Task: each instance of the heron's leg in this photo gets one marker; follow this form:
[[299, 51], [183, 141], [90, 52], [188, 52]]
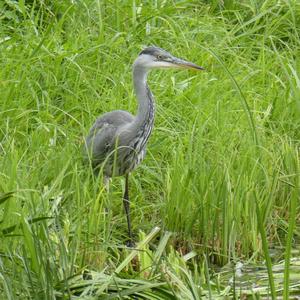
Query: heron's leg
[[127, 209]]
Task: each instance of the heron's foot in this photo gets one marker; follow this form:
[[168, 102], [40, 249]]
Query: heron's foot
[[130, 243]]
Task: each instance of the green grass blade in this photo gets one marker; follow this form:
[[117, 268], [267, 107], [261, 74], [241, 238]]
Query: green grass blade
[[6, 196], [295, 196], [262, 232]]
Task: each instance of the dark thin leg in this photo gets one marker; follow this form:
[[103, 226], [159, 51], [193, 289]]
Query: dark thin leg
[[126, 203]]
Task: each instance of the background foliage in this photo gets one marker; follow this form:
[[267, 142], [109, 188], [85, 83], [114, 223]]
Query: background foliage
[[222, 168]]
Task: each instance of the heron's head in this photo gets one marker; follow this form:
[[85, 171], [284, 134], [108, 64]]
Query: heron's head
[[154, 57]]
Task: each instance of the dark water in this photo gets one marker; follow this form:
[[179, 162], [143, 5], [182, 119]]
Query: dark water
[[250, 280]]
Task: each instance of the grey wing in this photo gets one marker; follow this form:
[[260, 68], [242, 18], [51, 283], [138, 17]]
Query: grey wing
[[100, 140]]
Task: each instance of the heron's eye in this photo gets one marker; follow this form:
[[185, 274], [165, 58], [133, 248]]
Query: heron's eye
[[159, 57]]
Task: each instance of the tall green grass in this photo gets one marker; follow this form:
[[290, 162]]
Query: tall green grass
[[221, 176]]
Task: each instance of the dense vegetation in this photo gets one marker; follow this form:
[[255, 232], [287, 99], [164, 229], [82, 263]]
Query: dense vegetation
[[218, 193]]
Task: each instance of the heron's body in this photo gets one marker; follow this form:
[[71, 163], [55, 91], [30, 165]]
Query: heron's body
[[117, 141]]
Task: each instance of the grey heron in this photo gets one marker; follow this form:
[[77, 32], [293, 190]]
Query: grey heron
[[117, 141]]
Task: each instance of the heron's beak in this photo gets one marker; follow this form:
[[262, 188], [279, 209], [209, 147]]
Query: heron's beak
[[183, 64]]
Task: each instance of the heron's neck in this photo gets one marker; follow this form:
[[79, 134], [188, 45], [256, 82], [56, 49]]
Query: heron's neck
[[146, 109]]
